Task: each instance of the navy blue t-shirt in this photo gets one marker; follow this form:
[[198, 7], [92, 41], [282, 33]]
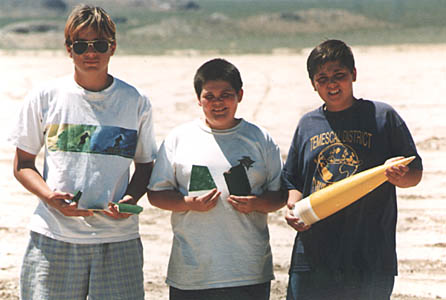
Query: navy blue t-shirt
[[330, 146]]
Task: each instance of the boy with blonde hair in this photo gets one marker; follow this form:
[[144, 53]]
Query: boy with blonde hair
[[92, 126]]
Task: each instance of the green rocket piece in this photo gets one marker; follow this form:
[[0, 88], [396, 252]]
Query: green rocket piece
[[201, 179], [129, 208]]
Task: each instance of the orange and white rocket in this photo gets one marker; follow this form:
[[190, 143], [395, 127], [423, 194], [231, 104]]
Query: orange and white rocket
[[340, 194]]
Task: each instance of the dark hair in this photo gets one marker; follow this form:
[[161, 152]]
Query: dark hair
[[86, 16], [330, 50], [217, 69]]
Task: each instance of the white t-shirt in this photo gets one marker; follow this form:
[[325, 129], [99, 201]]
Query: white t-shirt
[[221, 247], [90, 139]]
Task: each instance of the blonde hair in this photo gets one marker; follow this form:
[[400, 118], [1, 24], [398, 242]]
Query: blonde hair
[[86, 16]]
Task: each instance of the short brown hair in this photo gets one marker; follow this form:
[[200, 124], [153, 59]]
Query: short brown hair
[[330, 50], [86, 16], [217, 69]]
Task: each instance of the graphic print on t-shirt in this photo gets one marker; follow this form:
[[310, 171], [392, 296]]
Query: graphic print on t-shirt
[[236, 178], [201, 179], [334, 162], [107, 140]]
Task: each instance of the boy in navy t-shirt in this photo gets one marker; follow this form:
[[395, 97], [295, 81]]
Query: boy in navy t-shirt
[[351, 254]]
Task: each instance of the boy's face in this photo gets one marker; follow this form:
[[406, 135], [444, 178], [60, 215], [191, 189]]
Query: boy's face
[[219, 101], [91, 60], [334, 84]]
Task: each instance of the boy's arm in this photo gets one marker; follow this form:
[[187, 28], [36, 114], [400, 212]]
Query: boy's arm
[[138, 184], [402, 176], [175, 201], [26, 173], [293, 221], [267, 202]]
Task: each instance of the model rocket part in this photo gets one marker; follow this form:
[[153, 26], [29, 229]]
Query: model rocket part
[[304, 211], [338, 195]]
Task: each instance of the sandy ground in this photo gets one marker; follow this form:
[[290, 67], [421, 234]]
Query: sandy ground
[[277, 93]]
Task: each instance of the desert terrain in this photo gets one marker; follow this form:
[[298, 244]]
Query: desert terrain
[[412, 78]]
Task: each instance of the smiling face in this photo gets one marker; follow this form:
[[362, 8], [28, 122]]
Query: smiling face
[[334, 84], [219, 101]]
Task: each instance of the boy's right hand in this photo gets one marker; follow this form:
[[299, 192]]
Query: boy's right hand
[[204, 202], [58, 200], [291, 219]]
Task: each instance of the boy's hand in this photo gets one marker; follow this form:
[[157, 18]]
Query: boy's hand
[[243, 204], [292, 220], [204, 202], [114, 211], [60, 201], [396, 173]]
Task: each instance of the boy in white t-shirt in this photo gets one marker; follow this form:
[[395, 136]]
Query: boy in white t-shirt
[[92, 127], [220, 177]]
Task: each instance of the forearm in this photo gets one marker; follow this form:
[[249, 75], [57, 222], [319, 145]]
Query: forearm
[[293, 197], [28, 175], [140, 179], [168, 199], [270, 201], [410, 179]]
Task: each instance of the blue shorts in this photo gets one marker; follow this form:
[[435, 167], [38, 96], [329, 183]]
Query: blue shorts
[[248, 292], [54, 269], [323, 286]]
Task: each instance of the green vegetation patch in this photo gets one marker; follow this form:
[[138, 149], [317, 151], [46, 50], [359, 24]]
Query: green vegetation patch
[[238, 26]]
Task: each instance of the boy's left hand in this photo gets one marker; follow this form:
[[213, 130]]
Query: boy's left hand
[[396, 173], [243, 204], [114, 211]]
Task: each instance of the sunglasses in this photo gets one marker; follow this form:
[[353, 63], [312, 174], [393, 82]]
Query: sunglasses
[[80, 47]]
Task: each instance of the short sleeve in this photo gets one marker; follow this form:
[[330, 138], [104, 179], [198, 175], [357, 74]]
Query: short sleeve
[[163, 174], [28, 131], [274, 165], [402, 143], [291, 179], [146, 148]]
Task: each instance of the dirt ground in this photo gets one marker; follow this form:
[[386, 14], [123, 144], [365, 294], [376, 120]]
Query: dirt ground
[[277, 92]]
